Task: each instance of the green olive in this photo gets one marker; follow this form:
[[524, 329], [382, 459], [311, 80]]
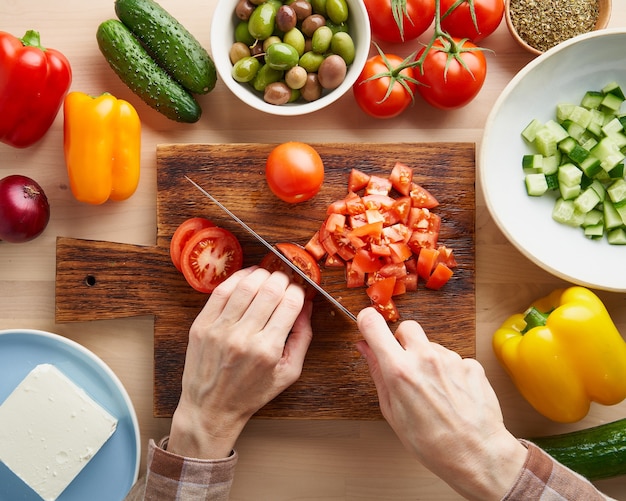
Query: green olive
[[245, 69], [311, 61], [343, 45], [337, 11], [281, 56], [295, 38], [265, 76], [261, 22], [320, 41], [242, 34], [319, 6]]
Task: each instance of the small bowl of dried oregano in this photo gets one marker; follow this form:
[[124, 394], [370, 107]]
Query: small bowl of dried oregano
[[539, 25]]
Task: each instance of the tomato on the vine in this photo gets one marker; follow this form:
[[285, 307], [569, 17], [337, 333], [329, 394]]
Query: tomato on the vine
[[399, 21], [210, 256], [386, 85], [294, 171], [301, 258], [460, 21], [452, 73]]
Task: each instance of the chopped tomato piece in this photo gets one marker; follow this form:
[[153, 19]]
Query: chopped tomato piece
[[365, 261], [400, 252], [378, 186], [335, 223], [410, 282], [354, 278], [424, 220], [401, 178], [439, 277], [422, 240], [421, 197], [426, 261], [401, 208], [378, 202], [357, 180], [400, 287], [337, 207], [389, 311], [381, 290], [372, 230], [315, 247], [334, 262], [354, 204], [446, 256]]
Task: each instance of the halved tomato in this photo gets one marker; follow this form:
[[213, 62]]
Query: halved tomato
[[209, 257], [182, 235], [301, 258]]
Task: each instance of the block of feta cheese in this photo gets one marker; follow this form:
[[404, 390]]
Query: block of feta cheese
[[50, 429]]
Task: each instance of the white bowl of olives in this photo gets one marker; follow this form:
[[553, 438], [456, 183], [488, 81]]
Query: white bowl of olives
[[290, 58]]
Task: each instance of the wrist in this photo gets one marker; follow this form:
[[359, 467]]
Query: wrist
[[200, 437]]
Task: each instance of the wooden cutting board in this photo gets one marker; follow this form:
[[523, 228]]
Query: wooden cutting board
[[104, 280]]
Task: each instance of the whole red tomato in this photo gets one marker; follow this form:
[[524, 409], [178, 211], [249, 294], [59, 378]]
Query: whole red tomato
[[452, 73], [459, 22], [397, 21], [294, 171], [385, 87]]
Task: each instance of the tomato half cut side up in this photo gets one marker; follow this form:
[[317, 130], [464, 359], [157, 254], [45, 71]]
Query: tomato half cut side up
[[182, 235], [210, 256], [301, 258]]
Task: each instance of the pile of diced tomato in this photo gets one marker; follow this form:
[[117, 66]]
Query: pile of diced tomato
[[385, 233]]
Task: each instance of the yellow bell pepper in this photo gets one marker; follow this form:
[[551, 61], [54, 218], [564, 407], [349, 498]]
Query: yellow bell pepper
[[102, 144], [564, 353]]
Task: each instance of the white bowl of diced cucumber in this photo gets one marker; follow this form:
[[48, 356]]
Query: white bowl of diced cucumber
[[551, 161]]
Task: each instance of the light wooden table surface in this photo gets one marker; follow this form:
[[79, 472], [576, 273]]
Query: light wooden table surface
[[280, 460]]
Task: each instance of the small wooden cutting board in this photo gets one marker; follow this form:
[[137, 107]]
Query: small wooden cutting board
[[106, 280]]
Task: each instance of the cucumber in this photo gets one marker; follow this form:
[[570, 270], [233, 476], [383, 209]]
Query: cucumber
[[143, 75], [169, 43], [596, 453]]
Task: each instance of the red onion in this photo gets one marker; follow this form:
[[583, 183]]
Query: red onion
[[24, 209]]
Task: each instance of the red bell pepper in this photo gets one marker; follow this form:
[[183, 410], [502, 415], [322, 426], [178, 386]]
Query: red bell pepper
[[33, 83]]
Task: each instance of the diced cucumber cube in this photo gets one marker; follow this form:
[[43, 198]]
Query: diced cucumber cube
[[589, 143], [565, 212], [567, 145], [553, 181], [614, 125], [532, 163], [530, 131], [569, 174], [593, 217], [569, 192], [613, 88], [617, 236], [557, 130], [563, 111], [587, 200], [608, 153], [545, 142], [612, 219], [590, 166], [536, 184], [619, 138], [592, 100], [595, 231], [599, 188], [617, 172], [578, 154], [620, 207], [580, 116], [611, 102], [550, 165], [617, 191]]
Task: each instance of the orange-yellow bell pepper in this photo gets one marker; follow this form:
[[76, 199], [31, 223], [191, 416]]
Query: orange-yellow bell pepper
[[102, 143], [564, 353]]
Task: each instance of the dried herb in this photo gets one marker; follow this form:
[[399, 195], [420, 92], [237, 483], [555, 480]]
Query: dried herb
[[542, 24]]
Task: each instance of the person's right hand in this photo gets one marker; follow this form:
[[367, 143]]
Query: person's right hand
[[245, 347], [442, 408]]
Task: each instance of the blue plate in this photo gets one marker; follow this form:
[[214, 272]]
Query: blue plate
[[114, 469]]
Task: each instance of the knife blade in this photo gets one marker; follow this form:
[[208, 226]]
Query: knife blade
[[273, 249]]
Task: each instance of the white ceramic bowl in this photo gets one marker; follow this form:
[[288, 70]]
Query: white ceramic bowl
[[222, 37], [562, 74]]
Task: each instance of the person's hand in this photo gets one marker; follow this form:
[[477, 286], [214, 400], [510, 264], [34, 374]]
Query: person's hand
[[442, 408], [245, 347]]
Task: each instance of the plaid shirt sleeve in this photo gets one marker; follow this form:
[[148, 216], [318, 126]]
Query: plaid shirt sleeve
[[177, 478], [543, 478]]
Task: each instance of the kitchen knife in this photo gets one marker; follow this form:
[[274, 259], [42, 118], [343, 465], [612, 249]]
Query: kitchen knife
[[279, 254]]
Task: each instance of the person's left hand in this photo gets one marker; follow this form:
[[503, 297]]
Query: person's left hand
[[245, 347]]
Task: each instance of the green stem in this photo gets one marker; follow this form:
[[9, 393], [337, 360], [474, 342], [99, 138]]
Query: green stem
[[32, 39], [534, 318]]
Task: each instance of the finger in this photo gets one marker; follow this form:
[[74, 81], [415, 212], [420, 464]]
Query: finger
[[375, 372], [284, 315], [240, 302], [270, 293], [221, 295], [378, 336], [410, 335], [299, 340]]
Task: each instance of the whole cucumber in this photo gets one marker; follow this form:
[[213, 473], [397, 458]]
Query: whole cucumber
[[170, 44], [143, 75]]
